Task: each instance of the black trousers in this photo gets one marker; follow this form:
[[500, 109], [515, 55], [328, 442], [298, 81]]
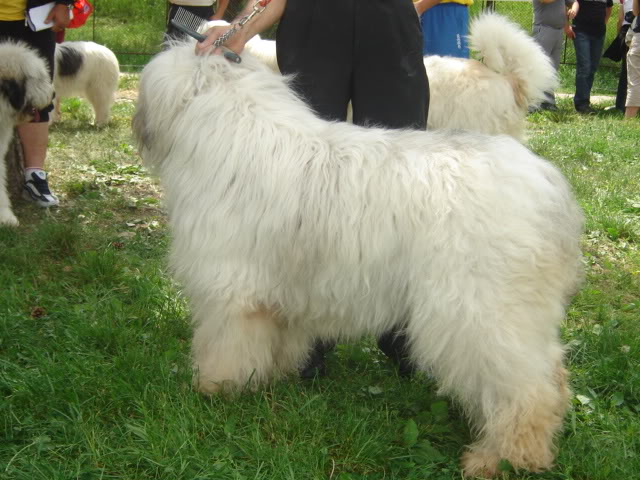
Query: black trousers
[[44, 42], [368, 52]]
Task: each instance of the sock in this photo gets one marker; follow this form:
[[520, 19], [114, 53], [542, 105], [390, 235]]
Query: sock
[[38, 171]]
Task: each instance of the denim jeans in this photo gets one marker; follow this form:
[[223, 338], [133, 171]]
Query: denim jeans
[[588, 53]]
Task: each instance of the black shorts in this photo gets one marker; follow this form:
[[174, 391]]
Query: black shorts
[[43, 41], [368, 52]]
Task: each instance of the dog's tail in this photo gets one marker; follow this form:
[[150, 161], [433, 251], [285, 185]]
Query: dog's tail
[[507, 49]]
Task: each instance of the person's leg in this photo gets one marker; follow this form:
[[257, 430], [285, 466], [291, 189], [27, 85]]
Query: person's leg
[[621, 93], [34, 136], [633, 79], [390, 93], [390, 86], [314, 42], [551, 41], [583, 67], [595, 52]]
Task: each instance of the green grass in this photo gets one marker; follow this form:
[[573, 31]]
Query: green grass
[[95, 381]]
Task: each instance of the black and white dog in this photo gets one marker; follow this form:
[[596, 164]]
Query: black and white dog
[[88, 70], [25, 87]]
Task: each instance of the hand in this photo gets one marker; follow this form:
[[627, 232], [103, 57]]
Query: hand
[[568, 31], [235, 43], [59, 16]]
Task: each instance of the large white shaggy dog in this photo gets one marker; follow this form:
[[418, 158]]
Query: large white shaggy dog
[[288, 228], [88, 70], [492, 95], [24, 86]]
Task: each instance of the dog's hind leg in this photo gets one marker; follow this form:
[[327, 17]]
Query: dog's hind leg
[[506, 371], [101, 102], [233, 345]]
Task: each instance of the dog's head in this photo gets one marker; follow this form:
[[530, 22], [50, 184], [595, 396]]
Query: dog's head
[[25, 84], [176, 80]]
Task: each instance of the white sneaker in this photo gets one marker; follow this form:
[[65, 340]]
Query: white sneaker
[[37, 190]]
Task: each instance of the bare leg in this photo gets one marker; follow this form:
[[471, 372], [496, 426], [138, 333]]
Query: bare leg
[[34, 138]]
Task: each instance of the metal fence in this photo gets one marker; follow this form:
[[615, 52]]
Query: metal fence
[[135, 32]]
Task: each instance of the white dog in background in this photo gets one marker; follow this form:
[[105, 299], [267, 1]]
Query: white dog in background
[[25, 86], [88, 70], [489, 96], [492, 95], [287, 228]]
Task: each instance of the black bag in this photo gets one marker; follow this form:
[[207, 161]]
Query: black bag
[[618, 47]]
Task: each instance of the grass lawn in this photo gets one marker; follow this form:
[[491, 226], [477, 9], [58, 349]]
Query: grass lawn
[[94, 338]]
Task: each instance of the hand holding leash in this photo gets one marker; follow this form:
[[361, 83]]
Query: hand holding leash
[[230, 36]]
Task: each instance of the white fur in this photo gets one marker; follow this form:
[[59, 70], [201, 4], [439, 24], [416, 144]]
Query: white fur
[[20, 67], [97, 79], [288, 228], [493, 96]]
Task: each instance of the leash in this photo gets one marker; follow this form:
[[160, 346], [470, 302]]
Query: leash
[[258, 7]]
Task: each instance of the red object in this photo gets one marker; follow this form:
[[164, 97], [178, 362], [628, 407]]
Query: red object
[[81, 11]]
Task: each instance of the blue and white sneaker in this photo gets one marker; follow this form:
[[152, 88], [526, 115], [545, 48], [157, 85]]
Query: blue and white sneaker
[[37, 190]]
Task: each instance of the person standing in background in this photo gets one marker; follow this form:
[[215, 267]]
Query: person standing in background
[[445, 27], [549, 23], [633, 66], [590, 19]]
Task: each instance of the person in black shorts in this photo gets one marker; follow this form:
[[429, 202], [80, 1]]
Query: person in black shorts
[[34, 136], [368, 53]]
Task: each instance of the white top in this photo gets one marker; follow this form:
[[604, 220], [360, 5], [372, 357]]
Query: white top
[[195, 3]]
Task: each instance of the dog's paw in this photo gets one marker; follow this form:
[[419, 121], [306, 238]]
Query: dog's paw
[[479, 464], [8, 218]]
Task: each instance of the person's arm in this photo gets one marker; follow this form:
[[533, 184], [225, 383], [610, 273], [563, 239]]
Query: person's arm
[[620, 17], [424, 5], [221, 7], [573, 11], [270, 15], [607, 15], [636, 7], [571, 14]]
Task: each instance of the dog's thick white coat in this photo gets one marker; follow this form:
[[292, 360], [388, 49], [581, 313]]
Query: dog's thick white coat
[[492, 96], [24, 85], [287, 228], [96, 80]]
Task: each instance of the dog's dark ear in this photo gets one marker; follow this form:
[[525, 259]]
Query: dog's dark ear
[[15, 92]]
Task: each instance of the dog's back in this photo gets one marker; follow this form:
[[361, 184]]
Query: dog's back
[[89, 70]]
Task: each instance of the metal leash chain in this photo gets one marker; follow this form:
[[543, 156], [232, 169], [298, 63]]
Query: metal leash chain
[[258, 7]]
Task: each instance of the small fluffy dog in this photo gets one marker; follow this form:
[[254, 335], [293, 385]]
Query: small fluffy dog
[[492, 95], [88, 70], [25, 86], [288, 228]]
